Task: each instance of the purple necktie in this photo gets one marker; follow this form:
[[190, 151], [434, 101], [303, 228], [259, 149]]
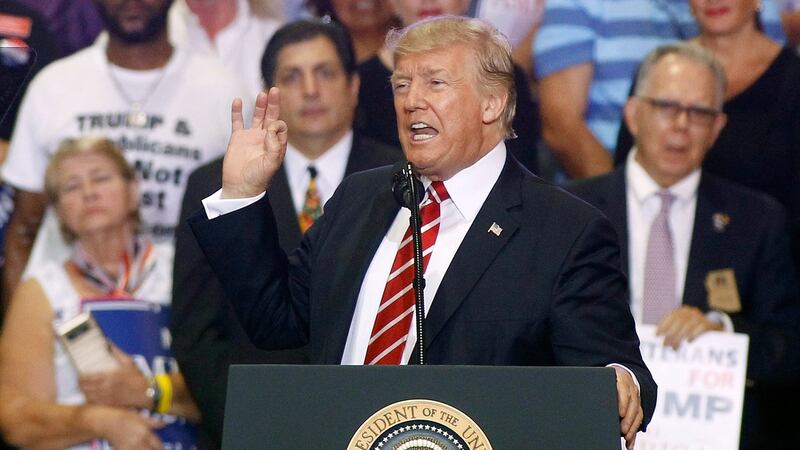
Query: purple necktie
[[659, 266]]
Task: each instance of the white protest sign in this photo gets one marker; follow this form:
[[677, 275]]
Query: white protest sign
[[700, 391]]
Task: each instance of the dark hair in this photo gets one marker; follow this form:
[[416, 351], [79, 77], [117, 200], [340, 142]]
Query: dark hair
[[305, 30]]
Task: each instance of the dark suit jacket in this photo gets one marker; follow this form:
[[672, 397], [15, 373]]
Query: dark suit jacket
[[547, 291], [207, 337], [755, 244]]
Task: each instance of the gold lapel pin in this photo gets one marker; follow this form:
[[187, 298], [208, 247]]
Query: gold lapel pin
[[720, 220]]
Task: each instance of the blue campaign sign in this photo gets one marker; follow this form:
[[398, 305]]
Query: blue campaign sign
[[140, 329]]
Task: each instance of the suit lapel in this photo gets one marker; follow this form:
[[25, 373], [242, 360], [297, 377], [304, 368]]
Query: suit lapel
[[478, 249], [707, 243], [616, 209]]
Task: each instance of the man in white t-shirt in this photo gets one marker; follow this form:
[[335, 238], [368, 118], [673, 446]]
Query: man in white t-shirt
[[166, 107], [230, 30]]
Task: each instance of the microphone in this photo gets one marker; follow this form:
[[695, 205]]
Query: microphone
[[406, 187], [408, 192]]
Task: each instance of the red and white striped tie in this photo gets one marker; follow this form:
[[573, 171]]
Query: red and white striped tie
[[390, 332]]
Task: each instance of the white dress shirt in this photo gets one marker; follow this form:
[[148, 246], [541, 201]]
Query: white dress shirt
[[330, 167], [643, 207]]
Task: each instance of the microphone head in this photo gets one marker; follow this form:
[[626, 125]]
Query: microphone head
[[402, 181]]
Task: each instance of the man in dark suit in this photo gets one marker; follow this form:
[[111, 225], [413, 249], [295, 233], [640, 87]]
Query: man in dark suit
[[517, 271], [730, 265], [207, 337]]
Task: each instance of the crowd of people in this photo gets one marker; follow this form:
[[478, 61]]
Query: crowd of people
[[677, 121]]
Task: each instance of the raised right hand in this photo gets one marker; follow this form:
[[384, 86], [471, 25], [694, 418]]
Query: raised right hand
[[254, 154]]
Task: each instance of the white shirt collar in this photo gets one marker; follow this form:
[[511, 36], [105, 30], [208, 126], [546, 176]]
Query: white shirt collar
[[470, 186], [644, 187], [330, 166]]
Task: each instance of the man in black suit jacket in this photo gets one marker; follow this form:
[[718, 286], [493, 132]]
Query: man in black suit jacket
[[521, 272], [732, 235], [207, 337]]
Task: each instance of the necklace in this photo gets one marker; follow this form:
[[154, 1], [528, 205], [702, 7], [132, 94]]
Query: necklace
[[136, 116]]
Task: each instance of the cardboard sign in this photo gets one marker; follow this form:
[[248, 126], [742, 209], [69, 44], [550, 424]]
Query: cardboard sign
[[700, 391]]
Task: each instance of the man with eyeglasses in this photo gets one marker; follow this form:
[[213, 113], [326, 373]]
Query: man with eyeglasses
[[701, 253]]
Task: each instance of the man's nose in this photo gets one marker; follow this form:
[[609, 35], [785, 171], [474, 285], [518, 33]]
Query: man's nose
[[681, 119], [310, 85], [414, 98]]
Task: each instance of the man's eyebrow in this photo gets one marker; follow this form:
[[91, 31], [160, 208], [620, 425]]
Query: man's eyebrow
[[285, 69], [395, 76], [433, 71], [428, 72]]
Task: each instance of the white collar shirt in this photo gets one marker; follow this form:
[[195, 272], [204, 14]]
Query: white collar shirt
[[331, 167], [643, 205], [468, 190]]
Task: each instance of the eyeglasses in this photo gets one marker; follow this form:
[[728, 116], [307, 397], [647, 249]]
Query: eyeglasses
[[670, 110]]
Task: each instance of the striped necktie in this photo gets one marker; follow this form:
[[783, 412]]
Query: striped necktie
[[392, 324]]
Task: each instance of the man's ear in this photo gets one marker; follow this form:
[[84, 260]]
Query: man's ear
[[493, 105], [719, 124], [629, 112]]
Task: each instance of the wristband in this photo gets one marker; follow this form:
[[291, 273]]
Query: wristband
[[164, 384], [153, 393]]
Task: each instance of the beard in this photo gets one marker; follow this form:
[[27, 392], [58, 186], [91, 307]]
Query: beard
[[155, 25]]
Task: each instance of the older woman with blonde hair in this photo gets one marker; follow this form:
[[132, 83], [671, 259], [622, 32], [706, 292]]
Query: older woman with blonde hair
[[124, 281]]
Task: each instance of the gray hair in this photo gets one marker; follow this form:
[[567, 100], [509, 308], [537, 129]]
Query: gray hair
[[691, 52], [495, 70]]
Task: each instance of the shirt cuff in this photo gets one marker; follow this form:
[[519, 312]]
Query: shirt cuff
[[721, 318], [635, 381], [216, 206]]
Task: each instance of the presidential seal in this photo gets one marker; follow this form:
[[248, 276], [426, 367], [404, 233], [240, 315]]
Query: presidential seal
[[419, 425]]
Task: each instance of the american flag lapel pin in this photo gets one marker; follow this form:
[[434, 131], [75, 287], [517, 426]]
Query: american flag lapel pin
[[496, 229]]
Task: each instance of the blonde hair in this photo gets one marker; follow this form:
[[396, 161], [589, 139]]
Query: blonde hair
[[491, 49], [70, 148]]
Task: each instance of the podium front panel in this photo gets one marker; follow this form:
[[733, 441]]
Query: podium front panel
[[324, 407]]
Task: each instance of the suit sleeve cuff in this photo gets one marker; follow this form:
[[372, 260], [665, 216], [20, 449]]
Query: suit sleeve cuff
[[635, 381], [721, 318], [216, 206]]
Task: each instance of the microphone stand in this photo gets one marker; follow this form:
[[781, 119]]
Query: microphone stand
[[410, 191]]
